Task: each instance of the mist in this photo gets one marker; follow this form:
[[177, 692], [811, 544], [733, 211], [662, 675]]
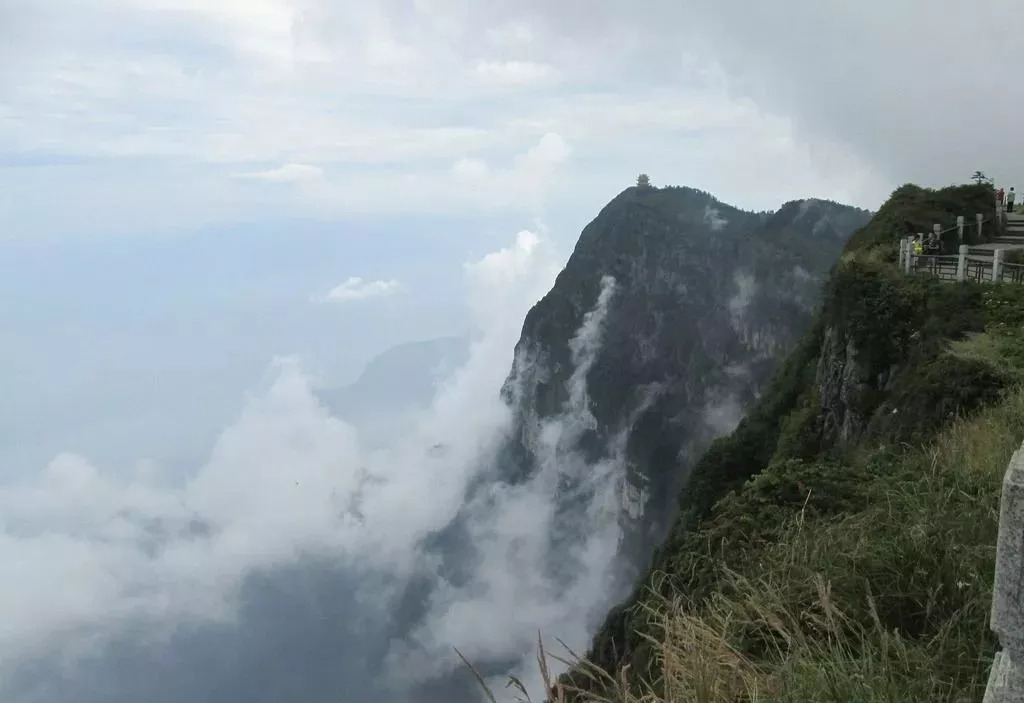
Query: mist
[[299, 563]]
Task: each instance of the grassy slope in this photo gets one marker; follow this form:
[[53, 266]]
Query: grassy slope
[[800, 571]]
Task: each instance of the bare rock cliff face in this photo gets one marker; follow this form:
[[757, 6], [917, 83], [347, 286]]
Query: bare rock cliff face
[[842, 380], [698, 301]]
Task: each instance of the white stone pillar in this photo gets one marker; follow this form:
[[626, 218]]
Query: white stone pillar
[[909, 260], [961, 264], [1006, 680], [903, 252], [997, 265], [980, 219]]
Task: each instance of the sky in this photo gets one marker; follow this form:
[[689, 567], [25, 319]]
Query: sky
[[189, 187], [193, 190]]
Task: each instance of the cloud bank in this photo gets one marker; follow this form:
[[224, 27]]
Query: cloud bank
[[355, 288], [297, 562], [288, 173], [367, 107]]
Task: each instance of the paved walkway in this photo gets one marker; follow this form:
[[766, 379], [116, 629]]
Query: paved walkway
[[1012, 239]]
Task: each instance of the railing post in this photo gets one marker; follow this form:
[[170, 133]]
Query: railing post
[[961, 264], [960, 228], [1006, 677], [997, 265], [980, 218]]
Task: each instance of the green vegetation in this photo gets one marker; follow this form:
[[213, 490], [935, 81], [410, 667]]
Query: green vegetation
[[911, 209], [1014, 256], [840, 544], [869, 581]]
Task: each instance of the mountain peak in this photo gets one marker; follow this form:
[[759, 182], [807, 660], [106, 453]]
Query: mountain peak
[[697, 300]]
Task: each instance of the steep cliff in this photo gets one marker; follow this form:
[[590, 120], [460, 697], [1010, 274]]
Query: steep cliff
[[699, 301], [786, 516]]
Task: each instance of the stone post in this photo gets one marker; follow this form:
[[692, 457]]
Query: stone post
[[903, 252], [960, 227], [909, 260], [997, 265], [1006, 680], [980, 218], [961, 264]]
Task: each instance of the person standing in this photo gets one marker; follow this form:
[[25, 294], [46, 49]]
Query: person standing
[[1001, 196], [1010, 197]]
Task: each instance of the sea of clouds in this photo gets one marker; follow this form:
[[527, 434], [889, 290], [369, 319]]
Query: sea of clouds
[[298, 563]]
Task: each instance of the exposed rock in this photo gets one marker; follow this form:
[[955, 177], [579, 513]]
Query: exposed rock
[[707, 298], [842, 380]]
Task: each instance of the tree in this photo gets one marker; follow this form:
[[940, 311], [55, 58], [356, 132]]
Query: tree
[[979, 177], [642, 181]]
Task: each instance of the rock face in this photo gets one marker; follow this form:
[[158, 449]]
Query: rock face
[[668, 318], [698, 301], [841, 381]]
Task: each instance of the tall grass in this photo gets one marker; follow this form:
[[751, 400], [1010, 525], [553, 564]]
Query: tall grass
[[886, 603]]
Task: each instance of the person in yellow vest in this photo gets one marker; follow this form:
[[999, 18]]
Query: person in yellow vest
[[918, 251]]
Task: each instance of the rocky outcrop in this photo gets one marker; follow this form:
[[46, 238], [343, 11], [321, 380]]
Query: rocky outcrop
[[1006, 679], [874, 370], [701, 299], [842, 380]]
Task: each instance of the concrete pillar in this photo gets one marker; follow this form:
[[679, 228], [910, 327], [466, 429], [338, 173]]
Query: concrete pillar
[[909, 260], [980, 219], [961, 264], [960, 227], [997, 265], [1006, 680]]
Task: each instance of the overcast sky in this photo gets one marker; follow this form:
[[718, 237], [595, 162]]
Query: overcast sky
[[132, 117], [188, 187]]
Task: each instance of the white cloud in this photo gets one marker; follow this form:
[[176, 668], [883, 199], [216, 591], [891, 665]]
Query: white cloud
[[551, 150], [514, 72], [714, 218], [289, 173], [338, 87], [286, 482], [355, 288], [516, 34], [470, 170]]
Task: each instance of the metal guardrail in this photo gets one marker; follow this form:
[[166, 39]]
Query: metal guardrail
[[938, 266], [978, 271], [969, 263], [1011, 273], [963, 268]]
